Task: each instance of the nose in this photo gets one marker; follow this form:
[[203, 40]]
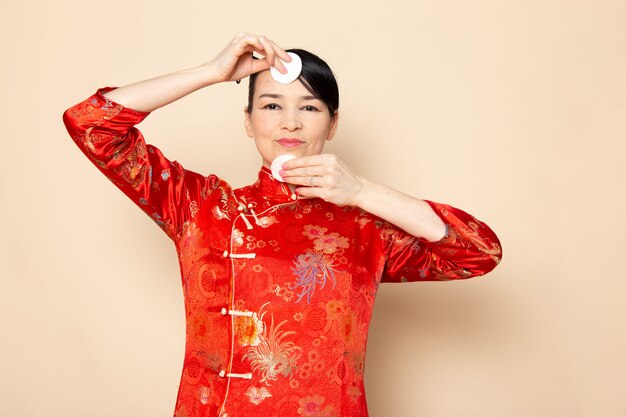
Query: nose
[[290, 121]]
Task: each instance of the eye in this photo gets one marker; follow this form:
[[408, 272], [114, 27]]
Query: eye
[[271, 106], [310, 108]]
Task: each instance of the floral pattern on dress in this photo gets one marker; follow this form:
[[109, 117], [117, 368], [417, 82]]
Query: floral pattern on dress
[[266, 221], [312, 269], [237, 238], [328, 243], [313, 406], [189, 249], [248, 329], [273, 355], [257, 395], [283, 291], [316, 267]]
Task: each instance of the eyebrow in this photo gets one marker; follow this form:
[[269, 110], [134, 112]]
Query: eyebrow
[[281, 96]]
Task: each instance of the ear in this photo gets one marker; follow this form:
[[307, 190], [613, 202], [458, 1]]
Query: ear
[[248, 123], [334, 122]]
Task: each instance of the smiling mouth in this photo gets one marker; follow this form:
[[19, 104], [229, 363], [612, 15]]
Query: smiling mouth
[[289, 143]]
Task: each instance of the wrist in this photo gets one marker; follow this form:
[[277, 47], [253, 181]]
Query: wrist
[[364, 192], [208, 74]]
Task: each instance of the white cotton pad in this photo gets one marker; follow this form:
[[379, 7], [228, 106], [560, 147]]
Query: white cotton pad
[[277, 164], [293, 70]]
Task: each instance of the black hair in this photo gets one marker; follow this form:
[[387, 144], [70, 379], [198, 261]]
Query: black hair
[[316, 76]]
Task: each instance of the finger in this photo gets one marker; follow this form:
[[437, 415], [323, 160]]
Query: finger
[[254, 40], [309, 171], [278, 64], [259, 65], [282, 55], [308, 181], [270, 53], [309, 192], [281, 52], [305, 161], [250, 43]]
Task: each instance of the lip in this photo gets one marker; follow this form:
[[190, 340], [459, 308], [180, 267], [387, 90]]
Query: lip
[[289, 142]]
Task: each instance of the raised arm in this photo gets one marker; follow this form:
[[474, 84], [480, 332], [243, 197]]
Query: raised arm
[[234, 62], [103, 127]]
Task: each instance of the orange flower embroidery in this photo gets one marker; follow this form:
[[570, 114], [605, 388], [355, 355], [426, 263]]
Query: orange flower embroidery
[[248, 329]]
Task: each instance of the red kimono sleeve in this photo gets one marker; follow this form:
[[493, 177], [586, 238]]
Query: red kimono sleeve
[[104, 131], [469, 248]]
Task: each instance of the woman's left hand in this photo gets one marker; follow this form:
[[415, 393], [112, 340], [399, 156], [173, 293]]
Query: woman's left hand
[[327, 177], [324, 176]]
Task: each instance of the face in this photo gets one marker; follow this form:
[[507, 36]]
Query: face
[[287, 119]]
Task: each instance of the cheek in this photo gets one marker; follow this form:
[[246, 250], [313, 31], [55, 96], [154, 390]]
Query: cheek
[[262, 124], [318, 123], [322, 130]]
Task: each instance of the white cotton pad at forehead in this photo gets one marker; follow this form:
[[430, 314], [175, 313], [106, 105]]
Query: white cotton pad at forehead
[[277, 164], [293, 70]]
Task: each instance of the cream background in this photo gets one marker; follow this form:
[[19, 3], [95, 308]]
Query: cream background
[[512, 110]]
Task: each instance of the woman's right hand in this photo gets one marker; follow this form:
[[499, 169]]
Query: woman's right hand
[[235, 61]]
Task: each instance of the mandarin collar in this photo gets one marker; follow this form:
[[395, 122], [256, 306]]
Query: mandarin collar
[[271, 189]]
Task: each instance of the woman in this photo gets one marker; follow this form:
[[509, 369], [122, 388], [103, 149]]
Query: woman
[[279, 277]]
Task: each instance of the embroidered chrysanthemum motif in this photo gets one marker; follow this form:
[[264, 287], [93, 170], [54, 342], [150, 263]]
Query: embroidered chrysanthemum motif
[[273, 356], [312, 269]]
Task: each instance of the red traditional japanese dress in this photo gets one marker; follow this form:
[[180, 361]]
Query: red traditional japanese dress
[[278, 290]]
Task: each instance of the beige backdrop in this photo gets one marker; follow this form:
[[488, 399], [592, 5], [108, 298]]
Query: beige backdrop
[[512, 110]]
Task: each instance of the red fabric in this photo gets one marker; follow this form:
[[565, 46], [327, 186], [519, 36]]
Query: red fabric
[[309, 290]]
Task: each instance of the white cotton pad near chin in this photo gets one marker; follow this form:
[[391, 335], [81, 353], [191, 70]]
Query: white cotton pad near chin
[[293, 70], [277, 164]]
